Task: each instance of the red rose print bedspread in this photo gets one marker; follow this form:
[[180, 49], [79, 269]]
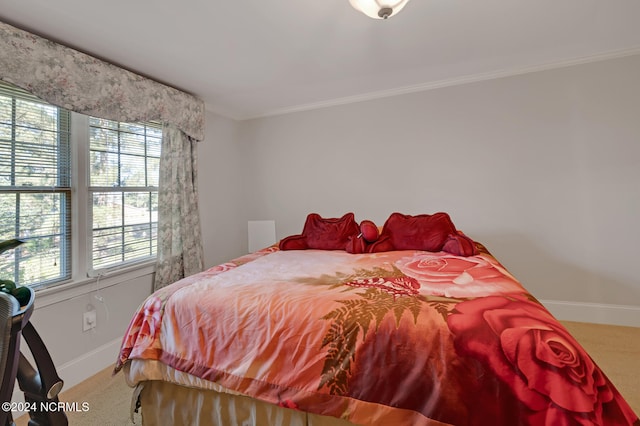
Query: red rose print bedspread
[[393, 338]]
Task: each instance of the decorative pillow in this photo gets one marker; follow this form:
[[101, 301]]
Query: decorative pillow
[[360, 243], [382, 244], [369, 231], [294, 242], [421, 232], [356, 245], [460, 245], [323, 234]]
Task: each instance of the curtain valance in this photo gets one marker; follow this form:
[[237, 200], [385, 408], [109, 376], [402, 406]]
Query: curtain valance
[[76, 81]]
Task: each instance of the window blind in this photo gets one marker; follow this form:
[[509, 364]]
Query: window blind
[[35, 188], [124, 172]]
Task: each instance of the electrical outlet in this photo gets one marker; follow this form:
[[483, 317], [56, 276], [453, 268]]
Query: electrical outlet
[[88, 320]]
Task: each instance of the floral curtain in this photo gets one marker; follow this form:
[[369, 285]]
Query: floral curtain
[[180, 251], [81, 83], [84, 84]]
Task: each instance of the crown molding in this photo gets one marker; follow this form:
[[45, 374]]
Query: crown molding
[[456, 81]]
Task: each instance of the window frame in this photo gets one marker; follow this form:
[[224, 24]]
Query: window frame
[[80, 221]]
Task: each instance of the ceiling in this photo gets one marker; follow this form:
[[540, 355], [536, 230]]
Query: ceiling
[[252, 58]]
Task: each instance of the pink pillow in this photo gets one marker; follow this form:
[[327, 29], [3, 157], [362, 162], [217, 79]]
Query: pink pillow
[[421, 232], [323, 234]]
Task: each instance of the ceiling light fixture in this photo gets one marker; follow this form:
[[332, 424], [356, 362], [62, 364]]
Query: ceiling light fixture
[[379, 9]]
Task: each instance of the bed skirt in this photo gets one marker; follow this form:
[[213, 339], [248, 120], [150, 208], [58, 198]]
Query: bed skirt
[[164, 403]]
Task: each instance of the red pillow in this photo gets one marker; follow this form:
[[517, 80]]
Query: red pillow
[[323, 234], [369, 231], [368, 235], [381, 244], [293, 242], [460, 245], [356, 245], [421, 232]]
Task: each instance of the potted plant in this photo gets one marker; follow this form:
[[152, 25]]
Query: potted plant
[[19, 292]]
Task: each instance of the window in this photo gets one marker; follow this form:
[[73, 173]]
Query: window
[[71, 180], [35, 189], [124, 170]]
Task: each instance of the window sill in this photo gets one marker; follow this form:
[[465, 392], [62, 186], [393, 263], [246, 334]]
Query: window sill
[[75, 288]]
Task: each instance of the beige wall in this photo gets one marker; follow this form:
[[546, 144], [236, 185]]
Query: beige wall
[[544, 168], [221, 170]]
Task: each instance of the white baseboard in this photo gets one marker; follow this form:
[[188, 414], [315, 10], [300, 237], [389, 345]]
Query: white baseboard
[[598, 313], [85, 366]]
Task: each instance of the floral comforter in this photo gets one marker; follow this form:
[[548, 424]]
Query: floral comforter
[[398, 338]]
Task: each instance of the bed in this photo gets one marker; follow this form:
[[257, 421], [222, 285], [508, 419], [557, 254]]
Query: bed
[[345, 325]]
